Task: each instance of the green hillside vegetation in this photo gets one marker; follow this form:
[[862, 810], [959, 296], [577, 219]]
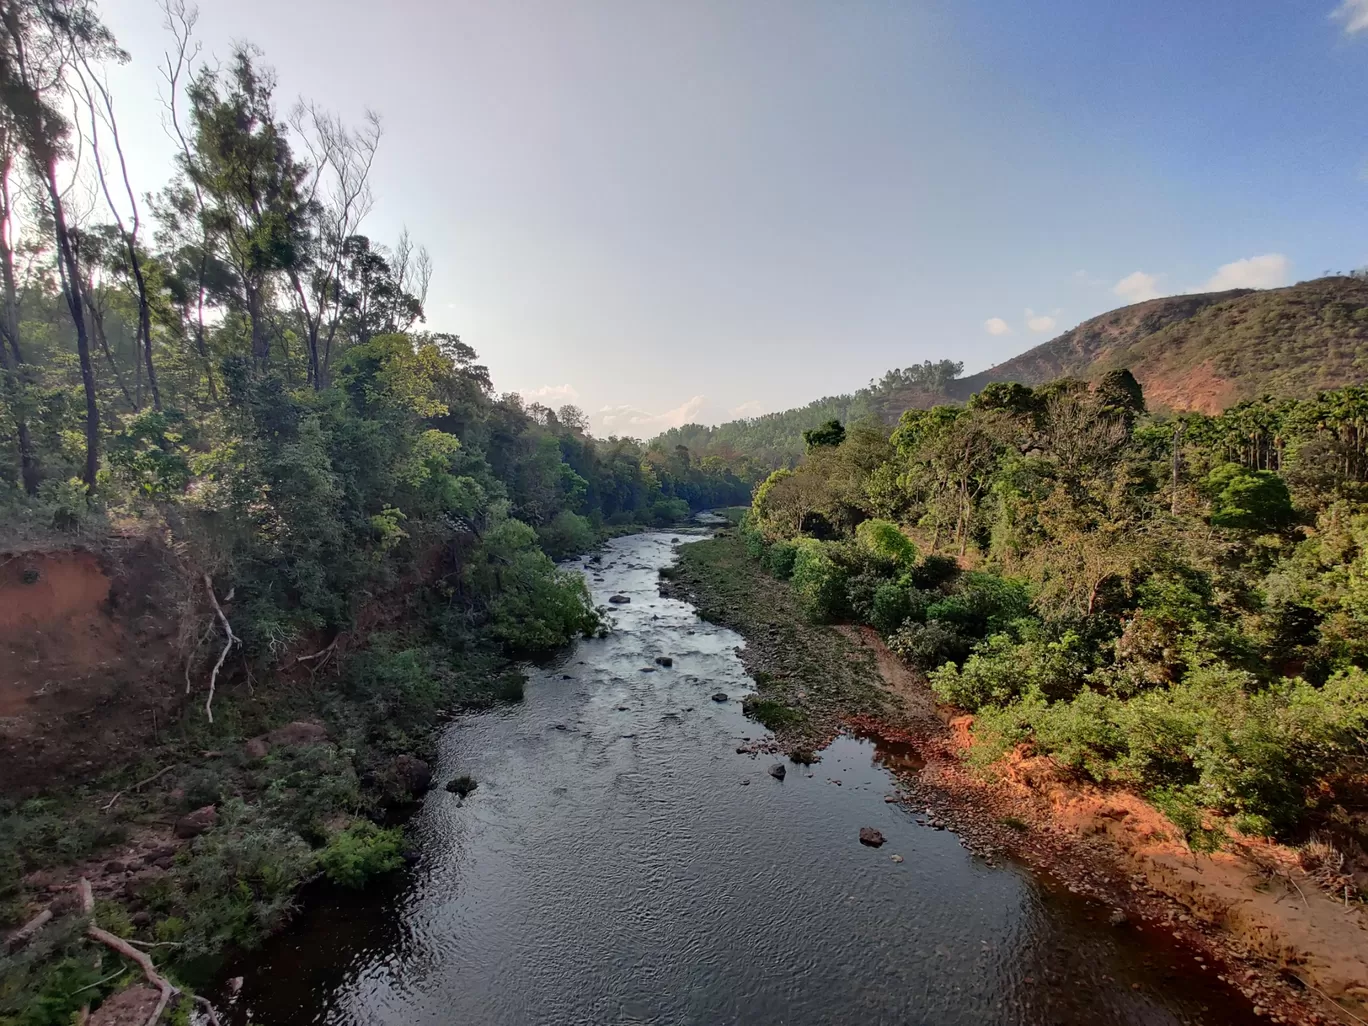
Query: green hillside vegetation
[[1176, 606], [1194, 352]]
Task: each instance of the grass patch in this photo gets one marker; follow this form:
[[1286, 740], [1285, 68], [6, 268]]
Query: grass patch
[[774, 715]]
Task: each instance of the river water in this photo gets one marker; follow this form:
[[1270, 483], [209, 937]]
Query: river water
[[620, 863]]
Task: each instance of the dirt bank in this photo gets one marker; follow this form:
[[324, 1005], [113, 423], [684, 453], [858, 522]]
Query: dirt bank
[[86, 639], [1250, 913]]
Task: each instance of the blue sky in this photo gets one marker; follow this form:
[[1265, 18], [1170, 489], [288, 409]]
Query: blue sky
[[671, 210]]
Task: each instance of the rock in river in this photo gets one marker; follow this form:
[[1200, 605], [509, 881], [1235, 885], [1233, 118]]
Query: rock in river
[[619, 600], [871, 837], [777, 771], [664, 661], [721, 696]]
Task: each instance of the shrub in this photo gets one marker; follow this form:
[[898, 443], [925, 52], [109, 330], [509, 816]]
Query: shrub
[[928, 645], [818, 581], [568, 534], [1001, 669], [361, 852], [1256, 500], [779, 559], [933, 571], [893, 605], [886, 542]]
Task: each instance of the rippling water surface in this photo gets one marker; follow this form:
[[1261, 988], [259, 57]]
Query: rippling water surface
[[621, 864]]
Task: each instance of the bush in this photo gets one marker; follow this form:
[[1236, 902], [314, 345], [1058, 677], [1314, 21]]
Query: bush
[[568, 534], [893, 605], [361, 852], [1001, 669], [928, 645], [982, 604], [779, 559], [885, 541], [1256, 500], [818, 581], [933, 571]]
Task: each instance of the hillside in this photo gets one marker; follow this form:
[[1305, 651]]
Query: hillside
[[1208, 352], [1199, 352]]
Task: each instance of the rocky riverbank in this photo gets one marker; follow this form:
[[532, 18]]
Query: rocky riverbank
[[1249, 915]]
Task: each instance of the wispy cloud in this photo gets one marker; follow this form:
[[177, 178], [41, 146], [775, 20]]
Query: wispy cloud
[[1261, 272], [1353, 15], [751, 408], [997, 326], [553, 393], [1040, 322], [629, 420], [1137, 287]]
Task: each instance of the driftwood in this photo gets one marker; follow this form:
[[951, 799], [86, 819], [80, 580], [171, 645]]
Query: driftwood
[[21, 936], [232, 639]]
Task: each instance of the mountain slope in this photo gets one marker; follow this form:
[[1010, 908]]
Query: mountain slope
[[1208, 352]]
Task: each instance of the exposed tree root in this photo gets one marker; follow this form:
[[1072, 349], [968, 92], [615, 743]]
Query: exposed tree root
[[21, 936], [139, 785]]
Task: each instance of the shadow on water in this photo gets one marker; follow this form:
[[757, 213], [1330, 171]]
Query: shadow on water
[[621, 863]]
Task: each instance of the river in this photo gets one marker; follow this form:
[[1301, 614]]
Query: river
[[620, 863]]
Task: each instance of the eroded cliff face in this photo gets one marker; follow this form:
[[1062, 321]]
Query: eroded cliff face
[[89, 649]]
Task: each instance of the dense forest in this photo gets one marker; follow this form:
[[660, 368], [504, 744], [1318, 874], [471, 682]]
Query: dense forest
[[1172, 604], [226, 366]]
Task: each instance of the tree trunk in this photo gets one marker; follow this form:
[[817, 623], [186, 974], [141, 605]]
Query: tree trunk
[[76, 305]]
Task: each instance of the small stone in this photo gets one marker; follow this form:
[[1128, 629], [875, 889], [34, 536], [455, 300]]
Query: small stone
[[889, 799], [896, 858], [622, 708], [114, 867], [1118, 918], [619, 600], [777, 771], [664, 661], [721, 696], [745, 782], [871, 837]]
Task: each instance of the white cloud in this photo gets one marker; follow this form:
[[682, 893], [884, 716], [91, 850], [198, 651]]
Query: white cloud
[[997, 326], [629, 420], [751, 408], [1261, 272], [1039, 322], [1137, 287], [1354, 15], [554, 393]]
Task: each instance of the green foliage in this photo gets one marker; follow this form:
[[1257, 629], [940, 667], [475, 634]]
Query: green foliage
[[894, 604], [887, 543], [361, 852], [832, 433], [1256, 500], [818, 580], [568, 534], [928, 645]]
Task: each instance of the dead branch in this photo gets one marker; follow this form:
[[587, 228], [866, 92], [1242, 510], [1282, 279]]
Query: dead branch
[[87, 897], [227, 647], [21, 936], [190, 662], [139, 785], [143, 962], [320, 652]]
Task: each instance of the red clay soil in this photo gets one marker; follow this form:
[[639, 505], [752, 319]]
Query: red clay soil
[[1251, 911], [87, 641]]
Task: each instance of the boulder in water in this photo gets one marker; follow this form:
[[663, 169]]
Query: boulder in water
[[721, 696], [664, 660], [777, 771], [619, 600], [871, 837]]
